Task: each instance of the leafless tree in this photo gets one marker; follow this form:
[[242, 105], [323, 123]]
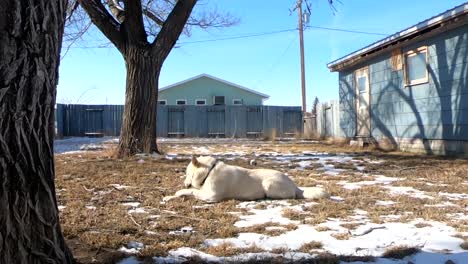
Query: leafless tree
[[144, 32], [30, 41]]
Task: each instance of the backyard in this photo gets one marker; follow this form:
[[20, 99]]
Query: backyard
[[385, 207]]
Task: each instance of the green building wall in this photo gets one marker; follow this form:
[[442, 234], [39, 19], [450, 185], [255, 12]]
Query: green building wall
[[207, 88]]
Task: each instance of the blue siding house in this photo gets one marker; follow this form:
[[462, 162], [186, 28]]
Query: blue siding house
[[410, 90]]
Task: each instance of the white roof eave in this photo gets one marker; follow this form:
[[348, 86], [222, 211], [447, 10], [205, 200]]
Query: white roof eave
[[449, 14], [216, 79]]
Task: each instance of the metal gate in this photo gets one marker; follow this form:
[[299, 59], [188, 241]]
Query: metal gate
[[216, 122], [94, 124], [254, 121], [292, 123], [175, 119]]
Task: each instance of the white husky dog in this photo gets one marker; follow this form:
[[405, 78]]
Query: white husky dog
[[213, 181]]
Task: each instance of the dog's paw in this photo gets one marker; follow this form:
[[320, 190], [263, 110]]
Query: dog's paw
[[168, 198], [183, 192]]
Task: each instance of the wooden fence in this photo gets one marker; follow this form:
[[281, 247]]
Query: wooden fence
[[185, 121]]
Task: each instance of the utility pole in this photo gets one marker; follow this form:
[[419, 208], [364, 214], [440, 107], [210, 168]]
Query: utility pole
[[301, 44]]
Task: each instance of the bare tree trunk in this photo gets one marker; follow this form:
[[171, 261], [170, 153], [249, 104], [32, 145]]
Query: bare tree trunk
[[30, 41], [138, 134], [143, 60]]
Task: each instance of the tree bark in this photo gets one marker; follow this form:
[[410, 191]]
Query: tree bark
[[30, 41], [138, 133], [143, 61]]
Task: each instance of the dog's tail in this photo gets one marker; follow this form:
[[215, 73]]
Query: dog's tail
[[311, 193]]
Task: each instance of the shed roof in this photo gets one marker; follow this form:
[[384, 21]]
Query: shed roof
[[216, 79], [419, 28]]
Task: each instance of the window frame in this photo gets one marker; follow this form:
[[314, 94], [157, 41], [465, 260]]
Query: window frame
[[184, 100], [240, 100], [412, 53], [204, 101], [214, 99], [163, 100]]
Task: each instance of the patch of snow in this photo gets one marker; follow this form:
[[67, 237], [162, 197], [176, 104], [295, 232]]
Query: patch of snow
[[132, 248], [360, 212], [138, 210], [372, 240], [184, 253], [355, 185], [337, 198], [444, 204], [89, 207], [409, 191], [80, 144], [258, 217], [131, 204], [304, 163], [153, 216], [150, 233], [330, 170], [378, 179], [386, 180], [201, 150], [390, 217], [458, 216], [454, 196], [135, 244], [274, 228], [183, 230], [385, 203], [91, 147], [119, 187], [61, 207]]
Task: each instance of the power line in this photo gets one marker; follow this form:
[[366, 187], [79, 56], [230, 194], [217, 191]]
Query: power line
[[276, 62], [251, 36], [240, 36], [347, 30]]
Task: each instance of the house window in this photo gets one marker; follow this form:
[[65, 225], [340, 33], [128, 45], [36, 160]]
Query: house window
[[219, 100], [200, 101], [162, 102], [181, 102], [237, 101], [416, 66]]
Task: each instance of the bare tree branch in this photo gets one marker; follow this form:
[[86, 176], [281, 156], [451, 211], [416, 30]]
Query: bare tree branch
[[213, 19], [154, 13], [117, 10], [133, 24], [104, 21], [148, 13], [172, 28]]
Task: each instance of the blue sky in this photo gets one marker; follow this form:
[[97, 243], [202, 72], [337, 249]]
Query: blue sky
[[268, 63]]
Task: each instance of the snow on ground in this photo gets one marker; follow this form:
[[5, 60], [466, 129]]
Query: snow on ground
[[435, 240], [368, 239], [378, 179], [409, 191], [81, 144]]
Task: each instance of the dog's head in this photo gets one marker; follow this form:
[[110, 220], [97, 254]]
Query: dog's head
[[197, 171]]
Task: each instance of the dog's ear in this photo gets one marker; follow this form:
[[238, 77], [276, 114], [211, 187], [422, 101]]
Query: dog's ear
[[195, 162]]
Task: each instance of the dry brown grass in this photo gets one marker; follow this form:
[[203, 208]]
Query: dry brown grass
[[265, 229], [399, 252], [311, 246], [322, 228], [341, 236], [85, 180]]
